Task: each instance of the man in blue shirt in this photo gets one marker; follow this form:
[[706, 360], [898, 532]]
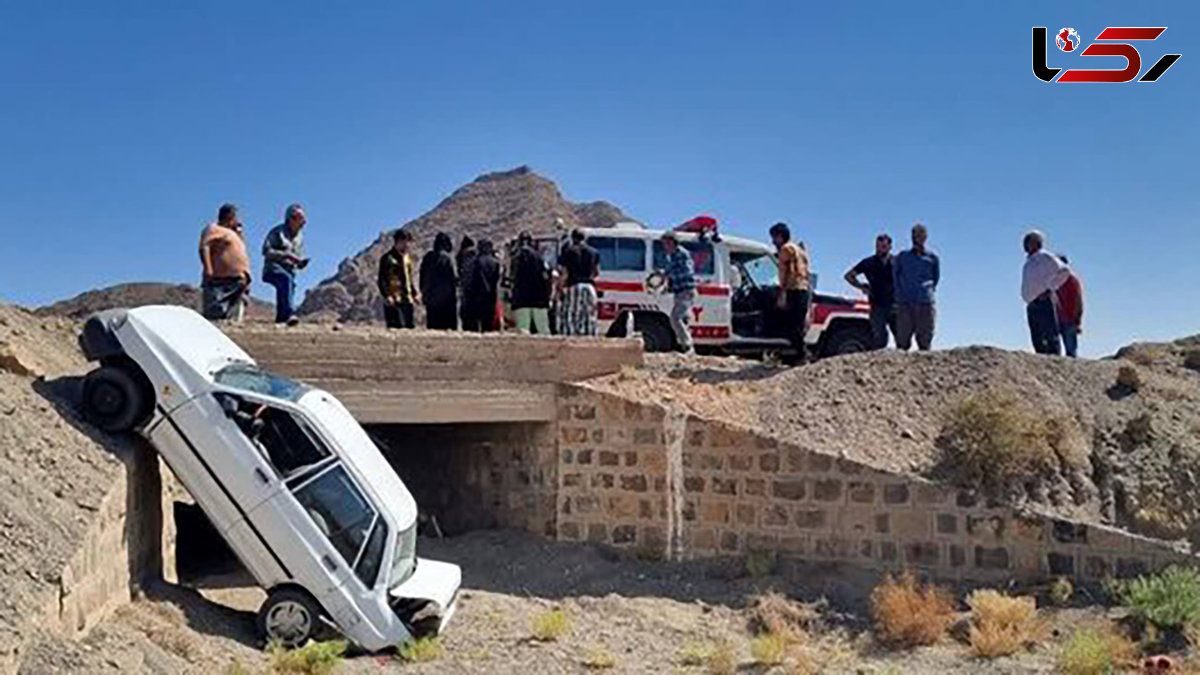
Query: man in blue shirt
[[681, 281], [916, 274], [283, 253]]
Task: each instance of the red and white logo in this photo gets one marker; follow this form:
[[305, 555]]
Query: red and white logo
[[1112, 41], [1067, 40]]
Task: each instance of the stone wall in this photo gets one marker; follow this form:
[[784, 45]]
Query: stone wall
[[633, 478], [122, 549], [476, 476]]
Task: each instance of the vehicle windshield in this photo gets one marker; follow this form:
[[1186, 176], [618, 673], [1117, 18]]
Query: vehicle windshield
[[405, 562], [761, 269], [254, 379]]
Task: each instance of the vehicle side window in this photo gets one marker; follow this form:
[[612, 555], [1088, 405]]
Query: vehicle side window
[[620, 254], [339, 510], [286, 441], [761, 270], [703, 257], [371, 557]]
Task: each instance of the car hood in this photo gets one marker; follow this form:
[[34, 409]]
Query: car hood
[[432, 580]]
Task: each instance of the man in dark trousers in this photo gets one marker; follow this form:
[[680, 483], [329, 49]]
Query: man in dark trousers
[[439, 285], [530, 287], [479, 293], [397, 284], [795, 286], [878, 287]]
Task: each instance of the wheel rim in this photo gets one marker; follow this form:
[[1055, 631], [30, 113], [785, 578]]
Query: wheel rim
[[107, 399], [289, 621]]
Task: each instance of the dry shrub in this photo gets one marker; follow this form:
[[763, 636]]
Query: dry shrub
[[768, 649], [997, 436], [549, 626], [421, 650], [1129, 378], [721, 659], [1097, 650], [774, 613], [908, 614], [1002, 625], [1191, 359], [1191, 633], [314, 658], [599, 658], [1062, 591]]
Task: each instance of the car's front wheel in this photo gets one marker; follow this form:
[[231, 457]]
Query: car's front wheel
[[113, 399], [288, 617]]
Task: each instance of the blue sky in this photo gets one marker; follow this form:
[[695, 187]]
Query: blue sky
[[124, 125]]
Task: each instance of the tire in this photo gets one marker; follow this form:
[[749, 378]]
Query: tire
[[289, 616], [657, 335], [114, 399], [849, 340]]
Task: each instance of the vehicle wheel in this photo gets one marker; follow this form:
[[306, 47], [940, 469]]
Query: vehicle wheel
[[289, 616], [849, 340], [657, 335], [113, 399]]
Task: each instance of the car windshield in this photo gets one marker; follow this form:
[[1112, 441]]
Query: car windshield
[[254, 379], [405, 562], [761, 269]]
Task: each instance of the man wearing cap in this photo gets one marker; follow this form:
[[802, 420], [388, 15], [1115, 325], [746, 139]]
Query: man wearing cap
[[681, 282]]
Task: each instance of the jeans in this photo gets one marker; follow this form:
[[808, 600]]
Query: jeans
[[883, 317], [285, 291], [539, 317], [916, 320], [1070, 338], [1043, 325], [681, 316], [399, 316]]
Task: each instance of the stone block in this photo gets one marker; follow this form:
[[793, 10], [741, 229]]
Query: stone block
[[946, 524], [911, 524], [709, 462], [1060, 564], [775, 515], [987, 527], [568, 530], [623, 535], [646, 436], [793, 544], [652, 538], [792, 490], [746, 514], [769, 462], [991, 558], [883, 523], [1097, 567], [795, 460], [654, 461], [895, 494], [848, 467], [812, 519], [634, 483], [716, 512], [585, 412], [958, 556], [923, 553], [631, 458], [860, 492], [703, 538], [587, 504], [741, 462], [730, 541], [623, 506], [827, 490], [933, 495], [602, 481], [755, 487], [693, 484], [724, 486], [584, 457], [609, 458], [888, 551], [645, 509], [818, 463], [834, 546], [761, 542], [574, 435], [597, 533], [571, 480]]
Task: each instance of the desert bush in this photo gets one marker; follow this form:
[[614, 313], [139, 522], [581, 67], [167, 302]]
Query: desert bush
[[314, 658], [996, 436], [421, 650], [773, 612], [721, 659], [1002, 625], [599, 658], [1128, 377], [908, 614], [1062, 591], [550, 625], [1191, 359], [1096, 651], [768, 649], [694, 654], [1169, 600]]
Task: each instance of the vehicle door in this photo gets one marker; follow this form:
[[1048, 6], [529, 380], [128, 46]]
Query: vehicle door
[[756, 307], [623, 280]]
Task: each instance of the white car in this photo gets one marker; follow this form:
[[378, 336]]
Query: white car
[[294, 484]]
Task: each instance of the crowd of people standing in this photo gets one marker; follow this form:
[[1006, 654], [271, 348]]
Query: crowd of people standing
[[461, 289]]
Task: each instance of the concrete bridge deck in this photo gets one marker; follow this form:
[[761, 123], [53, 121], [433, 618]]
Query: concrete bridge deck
[[423, 377]]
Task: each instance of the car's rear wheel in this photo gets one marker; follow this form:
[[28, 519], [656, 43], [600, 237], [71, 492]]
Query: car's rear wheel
[[288, 617], [113, 399], [849, 340]]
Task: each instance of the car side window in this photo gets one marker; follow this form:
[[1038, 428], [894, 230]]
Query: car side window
[[339, 510], [703, 257], [371, 557], [620, 254], [286, 441]]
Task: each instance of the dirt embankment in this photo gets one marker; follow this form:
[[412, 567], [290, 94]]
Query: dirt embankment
[[1141, 464]]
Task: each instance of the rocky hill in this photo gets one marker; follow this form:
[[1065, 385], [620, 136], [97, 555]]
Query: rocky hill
[[138, 294], [495, 206]]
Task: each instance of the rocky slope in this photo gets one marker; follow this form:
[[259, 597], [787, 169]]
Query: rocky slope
[[142, 293], [495, 206]]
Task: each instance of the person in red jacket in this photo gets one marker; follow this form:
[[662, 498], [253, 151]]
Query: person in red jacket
[[1069, 301]]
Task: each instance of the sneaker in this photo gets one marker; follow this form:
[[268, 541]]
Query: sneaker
[[293, 320]]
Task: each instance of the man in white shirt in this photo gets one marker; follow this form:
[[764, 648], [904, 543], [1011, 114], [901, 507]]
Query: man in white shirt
[[1041, 277]]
